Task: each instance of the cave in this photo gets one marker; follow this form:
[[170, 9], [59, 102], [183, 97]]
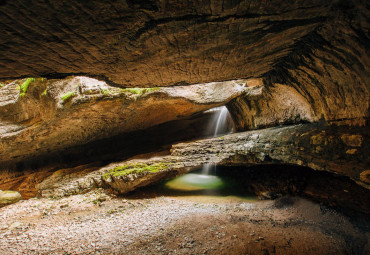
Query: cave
[[184, 127]]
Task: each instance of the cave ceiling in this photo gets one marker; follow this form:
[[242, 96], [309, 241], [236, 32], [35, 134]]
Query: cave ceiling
[[163, 43]]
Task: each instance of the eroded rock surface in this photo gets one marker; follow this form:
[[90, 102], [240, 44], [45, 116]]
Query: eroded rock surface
[[265, 107], [311, 145], [271, 105], [52, 115]]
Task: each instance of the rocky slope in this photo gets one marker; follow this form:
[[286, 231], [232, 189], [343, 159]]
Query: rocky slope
[[38, 117]]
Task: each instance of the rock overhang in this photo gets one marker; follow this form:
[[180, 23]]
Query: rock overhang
[[53, 115], [157, 43]]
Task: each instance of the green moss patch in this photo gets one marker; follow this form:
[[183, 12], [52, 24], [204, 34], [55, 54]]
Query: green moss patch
[[136, 168], [24, 86], [139, 91], [106, 92], [67, 96]]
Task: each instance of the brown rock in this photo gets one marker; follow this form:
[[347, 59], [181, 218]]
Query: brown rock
[[365, 176], [58, 114], [352, 140]]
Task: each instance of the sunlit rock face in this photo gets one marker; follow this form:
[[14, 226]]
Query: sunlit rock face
[[56, 114]]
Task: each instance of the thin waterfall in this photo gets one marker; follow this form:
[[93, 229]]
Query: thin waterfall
[[221, 124], [223, 120]]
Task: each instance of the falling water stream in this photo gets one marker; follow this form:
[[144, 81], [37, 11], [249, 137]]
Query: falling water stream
[[224, 123], [221, 123], [204, 182]]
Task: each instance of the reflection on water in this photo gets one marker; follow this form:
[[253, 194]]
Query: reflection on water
[[191, 182], [207, 188], [196, 186]]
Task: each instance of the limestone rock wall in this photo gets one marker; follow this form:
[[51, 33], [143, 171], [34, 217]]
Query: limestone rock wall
[[325, 77], [318, 48], [57, 114], [265, 106]]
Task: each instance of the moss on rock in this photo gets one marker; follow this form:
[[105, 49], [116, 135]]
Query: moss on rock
[[24, 86], [136, 168], [140, 91], [67, 96]]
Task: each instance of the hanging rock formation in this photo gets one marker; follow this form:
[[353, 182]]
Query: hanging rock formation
[[57, 114]]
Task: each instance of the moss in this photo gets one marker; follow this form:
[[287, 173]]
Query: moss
[[152, 89], [106, 92], [24, 86], [136, 168], [67, 96], [140, 91], [44, 93]]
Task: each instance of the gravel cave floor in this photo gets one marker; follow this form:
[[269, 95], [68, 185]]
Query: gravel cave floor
[[95, 223]]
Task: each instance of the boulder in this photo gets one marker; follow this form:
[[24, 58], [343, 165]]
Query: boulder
[[9, 197]]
